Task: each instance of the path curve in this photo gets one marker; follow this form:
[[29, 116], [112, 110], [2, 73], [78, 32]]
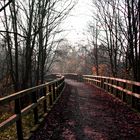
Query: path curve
[[85, 112]]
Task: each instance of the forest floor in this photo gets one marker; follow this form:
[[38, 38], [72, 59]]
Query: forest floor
[[85, 112]]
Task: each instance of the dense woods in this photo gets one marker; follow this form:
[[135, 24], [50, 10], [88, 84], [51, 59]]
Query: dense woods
[[28, 40], [116, 32]]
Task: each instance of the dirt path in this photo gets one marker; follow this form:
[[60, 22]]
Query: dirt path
[[87, 113]]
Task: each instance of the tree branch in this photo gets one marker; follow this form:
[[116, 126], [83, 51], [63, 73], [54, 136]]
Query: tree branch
[[13, 33], [5, 5]]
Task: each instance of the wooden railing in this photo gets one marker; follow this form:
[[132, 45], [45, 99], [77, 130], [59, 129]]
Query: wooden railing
[[128, 91], [73, 76], [47, 94]]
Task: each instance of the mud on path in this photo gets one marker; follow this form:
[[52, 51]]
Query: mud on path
[[85, 112]]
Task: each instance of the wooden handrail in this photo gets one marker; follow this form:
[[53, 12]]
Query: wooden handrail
[[115, 79], [57, 86], [24, 92], [119, 87]]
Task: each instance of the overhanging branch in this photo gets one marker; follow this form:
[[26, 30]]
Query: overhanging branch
[[5, 5], [13, 33]]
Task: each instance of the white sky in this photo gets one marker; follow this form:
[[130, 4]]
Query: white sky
[[76, 23]]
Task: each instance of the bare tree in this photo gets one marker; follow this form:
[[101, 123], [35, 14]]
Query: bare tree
[[133, 36], [29, 29], [119, 20]]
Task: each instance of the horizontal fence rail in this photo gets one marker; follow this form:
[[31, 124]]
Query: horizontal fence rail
[[126, 90], [47, 94], [73, 76]]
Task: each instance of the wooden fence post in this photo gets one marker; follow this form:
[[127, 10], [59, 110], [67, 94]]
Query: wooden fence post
[[62, 84], [108, 87], [111, 88], [103, 83], [45, 101], [116, 91], [134, 101], [54, 96], [50, 95], [124, 94], [58, 88], [35, 110], [19, 121], [56, 85], [98, 83]]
